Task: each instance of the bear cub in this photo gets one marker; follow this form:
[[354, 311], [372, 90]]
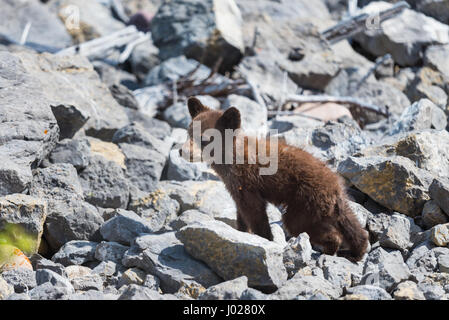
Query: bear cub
[[312, 196]]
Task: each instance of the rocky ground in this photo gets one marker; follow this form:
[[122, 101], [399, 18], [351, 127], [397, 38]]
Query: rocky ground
[[95, 202]]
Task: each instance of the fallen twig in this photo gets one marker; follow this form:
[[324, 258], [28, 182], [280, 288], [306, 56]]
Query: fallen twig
[[354, 25], [372, 70]]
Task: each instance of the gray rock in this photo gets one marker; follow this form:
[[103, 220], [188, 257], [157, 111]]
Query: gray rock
[[403, 186], [136, 292], [104, 184], [144, 58], [439, 235], [439, 191], [339, 271], [152, 282], [22, 221], [179, 169], [156, 208], [50, 265], [253, 294], [72, 220], [396, 234], [28, 131], [253, 115], [435, 57], [48, 32], [404, 43], [18, 296], [76, 95], [110, 251], [306, 286], [227, 251], [433, 8], [95, 18], [408, 290], [124, 227], [360, 212], [132, 276], [47, 291], [43, 276], [297, 253], [189, 217], [91, 281], [177, 115], [370, 292], [432, 215], [144, 166], [164, 256], [420, 115], [431, 291], [228, 290], [6, 289], [384, 269], [424, 259], [423, 87], [106, 268], [152, 98], [75, 252], [93, 295], [21, 279], [124, 96], [203, 29], [443, 263], [75, 152]]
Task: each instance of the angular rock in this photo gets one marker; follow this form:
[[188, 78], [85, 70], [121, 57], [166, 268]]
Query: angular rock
[[435, 57], [5, 289], [124, 227], [439, 234], [75, 152], [110, 251], [21, 279], [93, 295], [432, 215], [228, 290], [408, 290], [132, 276], [439, 191], [144, 58], [28, 131], [95, 19], [43, 276], [104, 184], [443, 263], [396, 234], [136, 292], [22, 221], [404, 43], [75, 252], [76, 95], [339, 271], [385, 270], [232, 253], [370, 292], [156, 208], [203, 29], [420, 115], [424, 259], [164, 256], [91, 281], [108, 150], [189, 217], [306, 286], [393, 182], [297, 254], [179, 169], [144, 166], [47, 291], [48, 32]]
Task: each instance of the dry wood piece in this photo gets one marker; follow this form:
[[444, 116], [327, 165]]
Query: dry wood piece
[[354, 25]]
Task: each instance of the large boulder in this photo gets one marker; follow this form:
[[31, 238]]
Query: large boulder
[[404, 36], [232, 253], [28, 131], [394, 182], [205, 30], [47, 32], [77, 96], [164, 256]]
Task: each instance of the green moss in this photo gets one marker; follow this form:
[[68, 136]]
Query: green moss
[[16, 236]]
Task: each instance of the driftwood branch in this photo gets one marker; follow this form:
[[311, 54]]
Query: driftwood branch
[[324, 99], [372, 70], [354, 25], [101, 46], [119, 11]]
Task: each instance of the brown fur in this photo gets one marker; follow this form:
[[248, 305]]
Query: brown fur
[[311, 193]]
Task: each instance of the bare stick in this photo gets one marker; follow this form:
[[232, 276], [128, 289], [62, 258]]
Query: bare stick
[[343, 100], [26, 31], [354, 25]]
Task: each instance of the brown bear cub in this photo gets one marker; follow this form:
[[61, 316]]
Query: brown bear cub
[[312, 195]]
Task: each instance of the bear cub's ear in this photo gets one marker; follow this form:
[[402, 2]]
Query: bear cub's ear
[[195, 107], [230, 119]]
